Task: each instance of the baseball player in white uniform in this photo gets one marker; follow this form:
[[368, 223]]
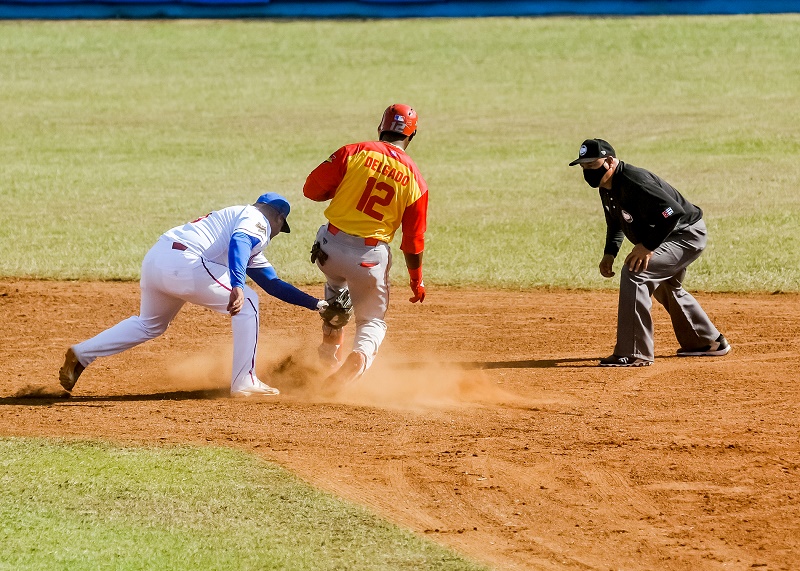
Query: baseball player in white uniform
[[205, 262]]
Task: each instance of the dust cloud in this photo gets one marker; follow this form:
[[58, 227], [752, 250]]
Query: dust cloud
[[206, 371], [31, 391], [389, 383]]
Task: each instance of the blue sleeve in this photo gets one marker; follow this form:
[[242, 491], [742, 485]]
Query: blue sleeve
[[239, 250], [268, 280]]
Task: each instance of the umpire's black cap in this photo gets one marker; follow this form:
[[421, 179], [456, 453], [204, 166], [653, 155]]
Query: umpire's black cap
[[593, 149]]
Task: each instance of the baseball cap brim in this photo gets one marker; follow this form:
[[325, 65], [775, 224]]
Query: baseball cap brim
[[583, 160], [593, 149]]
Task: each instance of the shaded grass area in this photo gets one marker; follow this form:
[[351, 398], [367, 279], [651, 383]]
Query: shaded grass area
[[116, 131], [82, 505]]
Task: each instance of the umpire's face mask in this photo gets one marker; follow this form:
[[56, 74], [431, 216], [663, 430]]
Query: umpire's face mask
[[594, 176]]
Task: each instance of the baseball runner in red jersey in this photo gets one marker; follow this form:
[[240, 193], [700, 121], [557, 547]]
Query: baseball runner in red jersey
[[204, 262], [374, 188]]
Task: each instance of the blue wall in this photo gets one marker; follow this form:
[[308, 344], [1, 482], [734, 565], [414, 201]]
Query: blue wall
[[61, 9]]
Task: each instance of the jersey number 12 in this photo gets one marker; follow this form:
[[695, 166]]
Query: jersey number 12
[[369, 200]]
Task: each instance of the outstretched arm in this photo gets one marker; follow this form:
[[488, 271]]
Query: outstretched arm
[[239, 250], [269, 281]]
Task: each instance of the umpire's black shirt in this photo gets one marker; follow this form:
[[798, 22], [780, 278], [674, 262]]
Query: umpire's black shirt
[[643, 208]]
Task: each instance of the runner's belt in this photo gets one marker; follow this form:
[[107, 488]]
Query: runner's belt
[[367, 241]]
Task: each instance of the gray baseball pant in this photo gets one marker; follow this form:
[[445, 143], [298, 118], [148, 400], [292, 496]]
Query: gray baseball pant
[[663, 280]]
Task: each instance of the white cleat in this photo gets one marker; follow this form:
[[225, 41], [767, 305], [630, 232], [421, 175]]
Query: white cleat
[[253, 388]]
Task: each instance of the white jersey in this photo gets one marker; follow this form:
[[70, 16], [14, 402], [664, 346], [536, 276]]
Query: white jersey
[[210, 235]]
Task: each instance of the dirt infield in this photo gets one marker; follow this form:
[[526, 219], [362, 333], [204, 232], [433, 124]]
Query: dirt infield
[[484, 424]]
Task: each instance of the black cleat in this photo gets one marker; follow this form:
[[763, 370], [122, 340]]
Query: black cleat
[[617, 361], [718, 348]]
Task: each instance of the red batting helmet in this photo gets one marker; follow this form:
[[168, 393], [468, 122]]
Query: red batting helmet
[[399, 118]]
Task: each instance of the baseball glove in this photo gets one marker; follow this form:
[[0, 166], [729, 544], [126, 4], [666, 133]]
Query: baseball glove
[[339, 310], [317, 253]]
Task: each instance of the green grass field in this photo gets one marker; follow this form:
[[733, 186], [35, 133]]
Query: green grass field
[[85, 506], [113, 132]]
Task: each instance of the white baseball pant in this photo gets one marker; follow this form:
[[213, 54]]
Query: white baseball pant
[[170, 278]]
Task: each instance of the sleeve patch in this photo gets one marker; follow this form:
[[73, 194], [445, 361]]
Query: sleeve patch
[[668, 212]]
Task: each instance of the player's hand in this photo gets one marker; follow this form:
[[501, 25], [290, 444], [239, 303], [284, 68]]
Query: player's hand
[[638, 259], [236, 301], [418, 287], [607, 266]]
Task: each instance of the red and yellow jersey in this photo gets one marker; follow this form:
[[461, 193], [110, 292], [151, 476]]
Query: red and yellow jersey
[[374, 188]]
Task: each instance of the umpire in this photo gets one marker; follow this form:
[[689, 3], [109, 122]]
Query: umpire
[[668, 234]]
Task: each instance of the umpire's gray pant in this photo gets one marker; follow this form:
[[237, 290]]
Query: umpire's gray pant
[[663, 280]]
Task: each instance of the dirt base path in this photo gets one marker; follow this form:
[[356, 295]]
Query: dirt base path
[[484, 424]]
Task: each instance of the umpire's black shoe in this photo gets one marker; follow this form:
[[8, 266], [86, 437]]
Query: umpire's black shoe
[[70, 370], [618, 361], [719, 347]]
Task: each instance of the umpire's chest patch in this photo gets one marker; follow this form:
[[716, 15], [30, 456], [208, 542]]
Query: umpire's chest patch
[[626, 216]]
